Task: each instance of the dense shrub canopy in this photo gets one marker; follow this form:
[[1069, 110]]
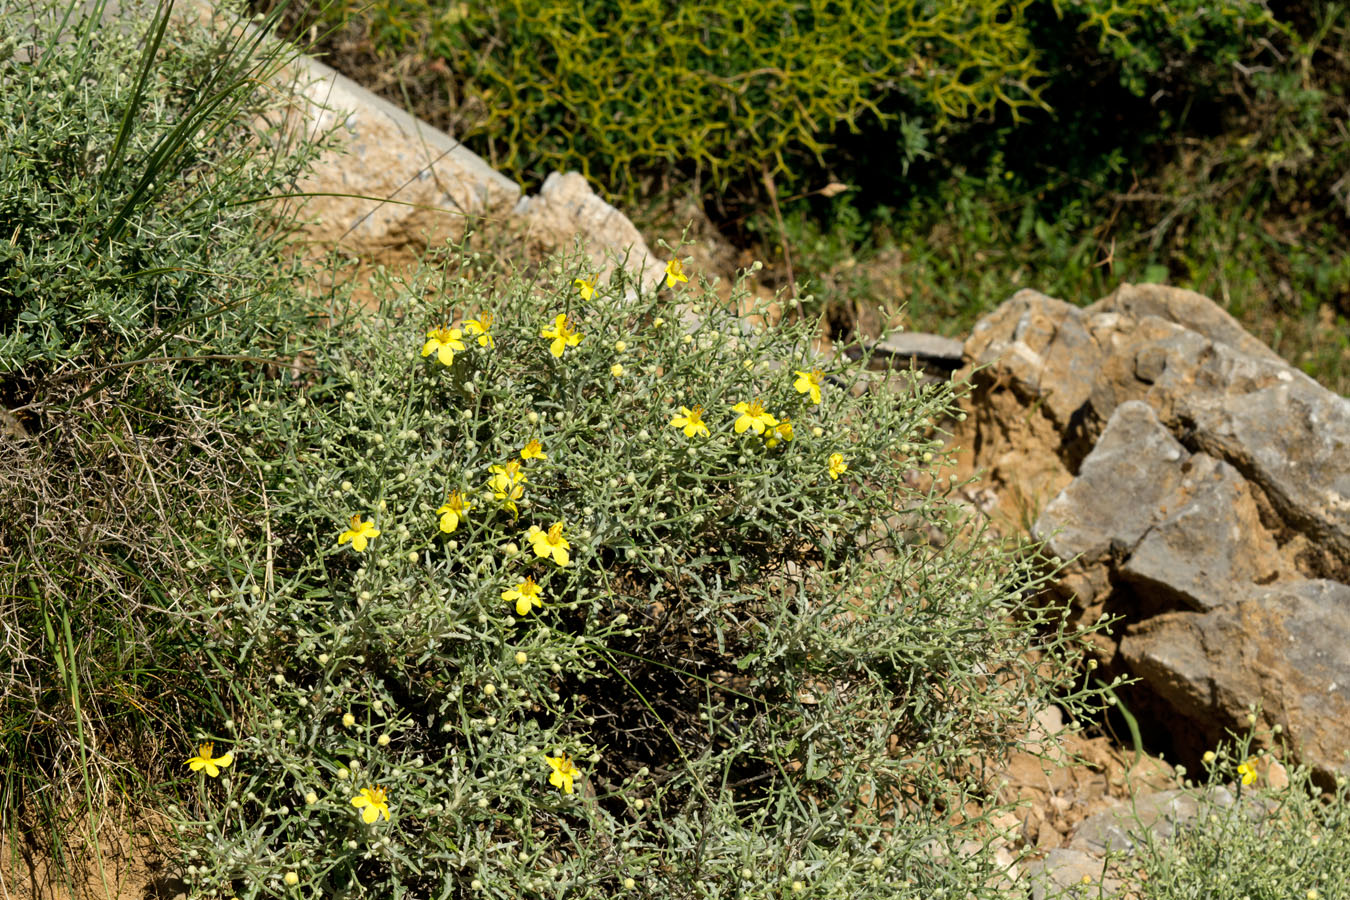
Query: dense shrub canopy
[[731, 90]]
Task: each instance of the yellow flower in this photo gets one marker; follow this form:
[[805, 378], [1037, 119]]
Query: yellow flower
[[445, 343], [373, 803], [525, 595], [549, 543], [563, 335], [691, 420], [1248, 771], [781, 432], [616, 370], [753, 417], [586, 287], [563, 772], [453, 511], [675, 272], [809, 383], [203, 760], [837, 465], [506, 484], [533, 450], [511, 471], [480, 327], [358, 533]]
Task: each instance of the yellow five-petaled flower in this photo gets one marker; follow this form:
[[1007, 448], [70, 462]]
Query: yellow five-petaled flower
[[506, 484], [563, 335], [809, 383], [586, 286], [549, 543], [453, 511], [373, 803], [203, 760], [675, 273], [564, 771], [359, 533], [445, 343], [525, 595], [1248, 771], [837, 465], [753, 417], [781, 432], [691, 420], [480, 327], [533, 450]]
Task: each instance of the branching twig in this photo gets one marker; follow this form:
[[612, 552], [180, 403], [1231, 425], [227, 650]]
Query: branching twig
[[782, 236]]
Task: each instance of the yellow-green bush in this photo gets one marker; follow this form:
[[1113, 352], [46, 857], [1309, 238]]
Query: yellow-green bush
[[622, 89]]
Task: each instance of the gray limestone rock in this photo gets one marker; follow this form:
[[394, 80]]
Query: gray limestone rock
[[1135, 465], [1210, 540], [1066, 874], [1203, 493], [1287, 645]]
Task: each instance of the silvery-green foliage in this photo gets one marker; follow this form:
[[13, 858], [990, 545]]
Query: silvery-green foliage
[[766, 675]]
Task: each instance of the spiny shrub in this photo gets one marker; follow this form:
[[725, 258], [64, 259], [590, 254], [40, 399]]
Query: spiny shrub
[[572, 591], [132, 181], [626, 91]]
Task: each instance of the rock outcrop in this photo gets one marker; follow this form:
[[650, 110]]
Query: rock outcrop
[[1199, 488], [393, 186]]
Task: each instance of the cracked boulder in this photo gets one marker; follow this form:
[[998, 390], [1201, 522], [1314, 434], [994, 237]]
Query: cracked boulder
[[1199, 488]]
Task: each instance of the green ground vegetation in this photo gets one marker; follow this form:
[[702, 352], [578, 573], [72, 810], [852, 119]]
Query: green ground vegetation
[[140, 295], [566, 588]]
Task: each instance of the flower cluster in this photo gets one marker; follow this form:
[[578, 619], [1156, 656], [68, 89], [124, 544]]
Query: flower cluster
[[372, 801], [445, 341], [507, 482], [751, 416]]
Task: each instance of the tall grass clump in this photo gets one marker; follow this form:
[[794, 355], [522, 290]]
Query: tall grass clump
[[140, 295], [579, 590]]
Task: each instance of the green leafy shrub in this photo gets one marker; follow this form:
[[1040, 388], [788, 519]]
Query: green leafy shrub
[[626, 91], [771, 659], [1183, 41], [1242, 199]]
